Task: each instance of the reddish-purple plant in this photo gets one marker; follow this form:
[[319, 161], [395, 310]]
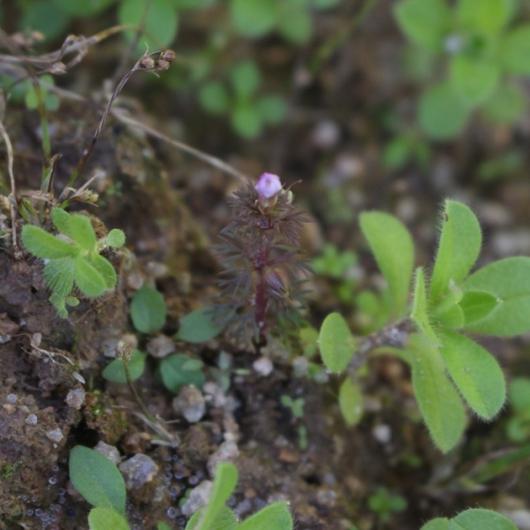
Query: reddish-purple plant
[[260, 252]]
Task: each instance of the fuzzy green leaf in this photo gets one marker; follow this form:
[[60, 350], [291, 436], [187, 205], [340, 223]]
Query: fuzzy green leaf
[[508, 280], [80, 229], [440, 523], [439, 402], [351, 402], [89, 280], [478, 518], [458, 249], [115, 238], [442, 113], [393, 249], [59, 276], [44, 245], [275, 516], [115, 370], [420, 307], [97, 479], [253, 18], [224, 520], [424, 22], [477, 305], [106, 518], [488, 17], [61, 220], [474, 80], [226, 476], [148, 310], [105, 268], [476, 374], [178, 370], [337, 344], [515, 50]]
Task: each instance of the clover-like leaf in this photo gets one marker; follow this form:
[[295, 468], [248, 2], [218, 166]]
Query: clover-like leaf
[[44, 245], [88, 278], [115, 370]]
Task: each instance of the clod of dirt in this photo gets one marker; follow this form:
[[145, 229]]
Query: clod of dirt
[[190, 404]]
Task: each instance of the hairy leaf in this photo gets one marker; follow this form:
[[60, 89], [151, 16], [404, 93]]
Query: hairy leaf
[[59, 276], [44, 245], [393, 249], [420, 307], [89, 280], [477, 305], [105, 268]]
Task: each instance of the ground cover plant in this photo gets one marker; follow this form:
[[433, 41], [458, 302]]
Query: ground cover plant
[[264, 265]]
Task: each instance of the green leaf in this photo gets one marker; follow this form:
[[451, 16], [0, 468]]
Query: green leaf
[[246, 120], [115, 370], [61, 220], [439, 402], [488, 18], [506, 106], [476, 374], [245, 78], [420, 307], [474, 519], [520, 394], [351, 402], [115, 238], [294, 22], [97, 479], [201, 325], [424, 22], [148, 310], [44, 245], [472, 79], [76, 226], [88, 279], [39, 15], [160, 24], [106, 518], [440, 523], [477, 305], [224, 520], [163, 526], [253, 18], [214, 98], [458, 248], [178, 370], [275, 516], [337, 344], [393, 249], [82, 9], [224, 484], [442, 113], [59, 276], [105, 268], [508, 281], [515, 50]]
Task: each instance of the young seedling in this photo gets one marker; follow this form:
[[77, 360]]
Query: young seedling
[[432, 334], [483, 50], [73, 258], [216, 515]]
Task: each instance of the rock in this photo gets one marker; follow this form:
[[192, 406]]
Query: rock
[[32, 419], [55, 435], [11, 398], [382, 433], [161, 346], [227, 451], [138, 471], [263, 366], [190, 403], [108, 451], [75, 398], [197, 498]]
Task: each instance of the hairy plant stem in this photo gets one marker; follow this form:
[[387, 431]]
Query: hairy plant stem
[[393, 336]]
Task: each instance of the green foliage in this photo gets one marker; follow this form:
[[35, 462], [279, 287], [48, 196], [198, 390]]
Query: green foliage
[[351, 402], [518, 426], [148, 310], [97, 479], [217, 516], [101, 518], [392, 247], [201, 325], [337, 344], [472, 519], [72, 259], [115, 370], [178, 370], [385, 504], [481, 49]]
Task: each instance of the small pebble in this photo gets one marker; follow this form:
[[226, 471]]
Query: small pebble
[[227, 451], [138, 471], [31, 420], [11, 398], [161, 346], [108, 451], [263, 366], [190, 403], [197, 498], [382, 433], [55, 435], [75, 398]]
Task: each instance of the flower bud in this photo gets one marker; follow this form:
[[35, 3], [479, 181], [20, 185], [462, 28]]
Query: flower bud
[[268, 186]]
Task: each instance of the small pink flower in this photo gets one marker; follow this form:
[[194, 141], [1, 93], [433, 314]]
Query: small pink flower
[[268, 186]]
